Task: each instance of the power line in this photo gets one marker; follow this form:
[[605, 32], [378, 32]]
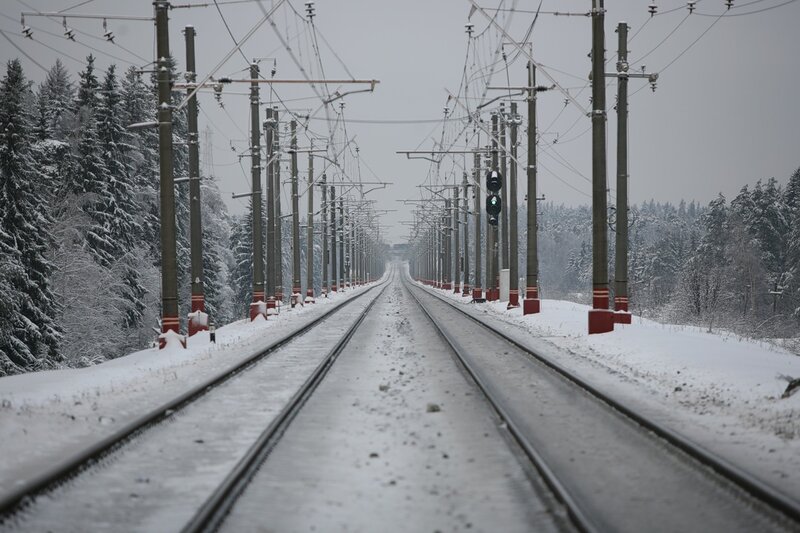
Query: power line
[[688, 47], [21, 51], [74, 40], [670, 34], [83, 3], [225, 22], [59, 52], [86, 34], [748, 12]]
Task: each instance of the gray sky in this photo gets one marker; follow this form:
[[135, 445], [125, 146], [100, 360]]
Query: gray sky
[[723, 115]]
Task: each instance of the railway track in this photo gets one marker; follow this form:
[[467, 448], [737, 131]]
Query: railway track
[[612, 468], [302, 360]]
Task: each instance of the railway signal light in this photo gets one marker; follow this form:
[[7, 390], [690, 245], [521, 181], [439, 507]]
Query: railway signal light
[[494, 181], [493, 208]]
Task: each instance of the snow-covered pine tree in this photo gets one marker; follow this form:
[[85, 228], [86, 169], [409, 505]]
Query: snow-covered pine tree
[[704, 275], [88, 181], [770, 227], [241, 276], [115, 143], [55, 99], [791, 202], [29, 335], [217, 256], [138, 104]]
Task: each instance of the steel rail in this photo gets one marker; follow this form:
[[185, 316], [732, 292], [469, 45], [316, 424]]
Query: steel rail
[[754, 487], [25, 493], [562, 494], [213, 512]]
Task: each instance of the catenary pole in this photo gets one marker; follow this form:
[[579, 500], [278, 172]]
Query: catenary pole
[[258, 306], [465, 184], [622, 315], [169, 270], [504, 230], [342, 222], [295, 218], [601, 319], [324, 216], [447, 238], [477, 290], [310, 229], [269, 139], [513, 228], [278, 218], [456, 217], [531, 303], [198, 320], [334, 262]]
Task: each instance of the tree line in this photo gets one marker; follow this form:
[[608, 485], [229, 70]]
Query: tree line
[[79, 234], [79, 224], [79, 221], [729, 264]]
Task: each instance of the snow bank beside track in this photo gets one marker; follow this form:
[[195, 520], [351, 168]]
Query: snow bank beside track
[[721, 391]]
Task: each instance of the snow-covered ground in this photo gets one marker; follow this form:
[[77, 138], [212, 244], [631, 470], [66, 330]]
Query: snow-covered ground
[[47, 416], [720, 390], [394, 439]]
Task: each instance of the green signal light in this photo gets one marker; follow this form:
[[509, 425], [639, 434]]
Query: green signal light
[[493, 205]]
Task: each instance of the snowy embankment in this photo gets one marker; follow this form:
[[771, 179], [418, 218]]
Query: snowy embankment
[[47, 416], [720, 390]]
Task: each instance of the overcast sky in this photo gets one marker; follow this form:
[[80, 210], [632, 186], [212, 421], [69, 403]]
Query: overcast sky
[[724, 115]]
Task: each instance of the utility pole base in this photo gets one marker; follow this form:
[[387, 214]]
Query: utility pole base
[[333, 288], [446, 286], [601, 321], [513, 299], [170, 329], [271, 306], [296, 296], [456, 289], [310, 297], [197, 319], [258, 307], [622, 317], [466, 291], [531, 306], [477, 293]]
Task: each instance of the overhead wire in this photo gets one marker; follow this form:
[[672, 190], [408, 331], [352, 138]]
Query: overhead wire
[[670, 34], [228, 28], [754, 12], [42, 43], [23, 52], [683, 52], [86, 34]]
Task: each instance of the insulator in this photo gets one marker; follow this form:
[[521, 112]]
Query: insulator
[[692, 6], [68, 33], [107, 34], [26, 30], [653, 9], [729, 3]]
